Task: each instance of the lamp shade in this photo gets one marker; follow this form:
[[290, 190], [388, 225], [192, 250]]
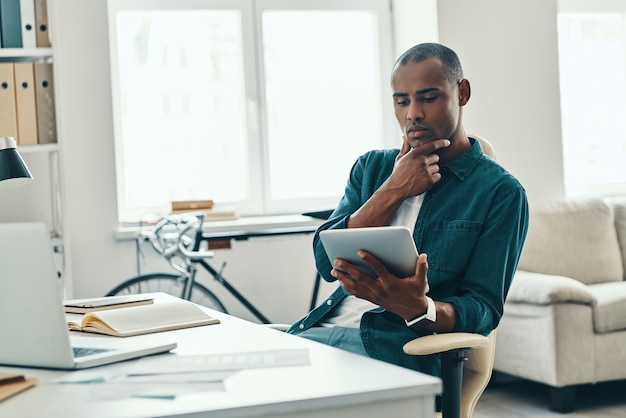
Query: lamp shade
[[13, 170]]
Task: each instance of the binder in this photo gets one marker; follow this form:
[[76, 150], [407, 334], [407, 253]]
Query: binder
[[27, 16], [10, 23], [8, 113], [41, 23], [25, 103], [44, 99]]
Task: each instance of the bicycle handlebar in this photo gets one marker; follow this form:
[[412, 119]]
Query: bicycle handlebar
[[195, 224], [173, 237]]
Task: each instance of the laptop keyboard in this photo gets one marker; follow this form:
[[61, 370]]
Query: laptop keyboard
[[83, 351]]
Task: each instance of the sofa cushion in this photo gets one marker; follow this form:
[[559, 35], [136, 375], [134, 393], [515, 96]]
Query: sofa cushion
[[609, 313], [574, 238], [545, 289]]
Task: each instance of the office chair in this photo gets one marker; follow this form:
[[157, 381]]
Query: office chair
[[466, 365], [466, 359]]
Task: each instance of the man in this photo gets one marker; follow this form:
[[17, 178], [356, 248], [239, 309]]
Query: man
[[468, 215]]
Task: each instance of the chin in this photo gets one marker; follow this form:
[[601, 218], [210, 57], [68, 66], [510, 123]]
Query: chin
[[418, 142]]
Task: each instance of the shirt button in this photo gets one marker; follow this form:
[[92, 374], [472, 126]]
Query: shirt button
[[329, 302], [301, 326]]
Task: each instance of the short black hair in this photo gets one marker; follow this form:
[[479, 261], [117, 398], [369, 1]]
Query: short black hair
[[453, 71]]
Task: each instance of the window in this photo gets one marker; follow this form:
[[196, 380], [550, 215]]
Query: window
[[592, 60], [262, 105]]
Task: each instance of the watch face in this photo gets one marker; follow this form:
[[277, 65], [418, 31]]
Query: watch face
[[420, 323]]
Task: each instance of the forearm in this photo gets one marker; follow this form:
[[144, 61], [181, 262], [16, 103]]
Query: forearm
[[378, 210]]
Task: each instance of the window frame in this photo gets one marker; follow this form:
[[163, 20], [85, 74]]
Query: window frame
[[259, 201], [589, 189]]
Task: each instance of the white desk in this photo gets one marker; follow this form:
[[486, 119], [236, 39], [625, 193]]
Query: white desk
[[243, 224], [336, 384]]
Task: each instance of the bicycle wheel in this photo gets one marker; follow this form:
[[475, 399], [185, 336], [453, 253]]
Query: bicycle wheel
[[168, 283]]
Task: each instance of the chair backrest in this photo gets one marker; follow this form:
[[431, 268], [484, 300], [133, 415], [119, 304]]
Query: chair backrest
[[476, 374], [486, 146], [479, 365]]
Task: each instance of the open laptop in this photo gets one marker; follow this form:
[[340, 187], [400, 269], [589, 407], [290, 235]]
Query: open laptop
[[32, 321]]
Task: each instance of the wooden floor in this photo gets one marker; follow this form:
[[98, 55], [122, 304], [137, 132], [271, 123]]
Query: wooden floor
[[517, 398]]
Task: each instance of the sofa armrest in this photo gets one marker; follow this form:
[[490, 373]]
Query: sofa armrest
[[546, 289]]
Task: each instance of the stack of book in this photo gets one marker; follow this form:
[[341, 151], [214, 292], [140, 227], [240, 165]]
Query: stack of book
[[125, 316], [206, 208]]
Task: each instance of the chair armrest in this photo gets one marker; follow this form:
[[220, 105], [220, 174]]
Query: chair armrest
[[546, 289], [439, 343]]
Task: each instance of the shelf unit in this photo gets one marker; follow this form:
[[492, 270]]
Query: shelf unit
[[52, 150], [45, 158]]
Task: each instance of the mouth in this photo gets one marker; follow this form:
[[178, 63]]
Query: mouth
[[416, 132]]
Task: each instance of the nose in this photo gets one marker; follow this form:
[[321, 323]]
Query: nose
[[415, 111]]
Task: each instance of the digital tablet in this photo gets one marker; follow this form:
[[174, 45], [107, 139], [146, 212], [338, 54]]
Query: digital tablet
[[392, 245]]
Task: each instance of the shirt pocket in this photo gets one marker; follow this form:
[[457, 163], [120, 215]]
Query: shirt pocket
[[452, 245]]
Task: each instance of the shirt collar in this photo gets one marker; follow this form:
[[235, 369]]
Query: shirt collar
[[463, 165]]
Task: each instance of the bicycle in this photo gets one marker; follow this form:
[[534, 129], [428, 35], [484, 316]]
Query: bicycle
[[178, 238]]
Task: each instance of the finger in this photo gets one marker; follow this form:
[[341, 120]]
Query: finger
[[421, 266], [432, 160], [405, 148], [350, 270], [421, 270], [340, 275], [432, 146], [376, 265], [344, 280], [350, 284]]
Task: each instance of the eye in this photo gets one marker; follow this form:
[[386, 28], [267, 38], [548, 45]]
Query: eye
[[402, 102], [429, 99]]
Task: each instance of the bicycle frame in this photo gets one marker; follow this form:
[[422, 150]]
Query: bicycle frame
[[177, 246], [217, 275]]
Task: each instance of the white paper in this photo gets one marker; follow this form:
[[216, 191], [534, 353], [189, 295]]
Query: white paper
[[216, 362]]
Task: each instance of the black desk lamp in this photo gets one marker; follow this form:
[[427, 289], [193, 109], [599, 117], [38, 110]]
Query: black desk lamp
[[12, 167]]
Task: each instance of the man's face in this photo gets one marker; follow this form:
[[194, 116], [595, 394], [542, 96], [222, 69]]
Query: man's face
[[426, 104]]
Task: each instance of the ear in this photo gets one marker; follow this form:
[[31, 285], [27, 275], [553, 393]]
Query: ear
[[464, 92]]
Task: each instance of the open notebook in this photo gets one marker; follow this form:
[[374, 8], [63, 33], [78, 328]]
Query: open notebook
[[33, 328]]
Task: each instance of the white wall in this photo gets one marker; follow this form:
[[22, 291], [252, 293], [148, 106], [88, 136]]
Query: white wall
[[515, 104], [414, 22], [509, 53]]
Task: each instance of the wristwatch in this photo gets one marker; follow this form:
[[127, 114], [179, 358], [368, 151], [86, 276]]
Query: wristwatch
[[423, 321]]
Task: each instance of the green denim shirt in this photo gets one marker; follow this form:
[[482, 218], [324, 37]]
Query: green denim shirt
[[472, 224]]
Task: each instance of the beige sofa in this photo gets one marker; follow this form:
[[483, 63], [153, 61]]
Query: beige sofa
[[564, 321]]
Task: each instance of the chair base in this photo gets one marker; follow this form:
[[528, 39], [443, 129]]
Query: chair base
[[452, 378]]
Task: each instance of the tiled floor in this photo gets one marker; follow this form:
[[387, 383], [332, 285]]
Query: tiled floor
[[528, 399]]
